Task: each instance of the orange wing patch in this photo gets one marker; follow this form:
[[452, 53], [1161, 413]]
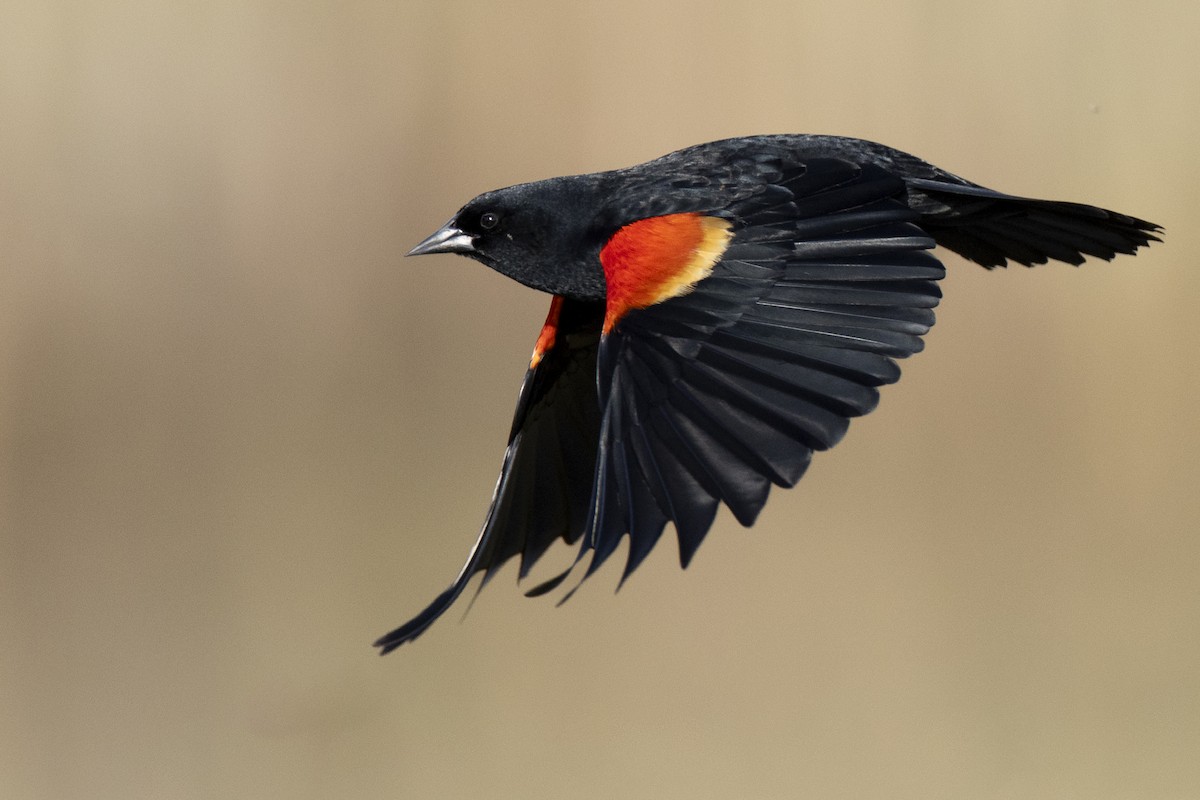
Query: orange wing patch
[[657, 258], [549, 333]]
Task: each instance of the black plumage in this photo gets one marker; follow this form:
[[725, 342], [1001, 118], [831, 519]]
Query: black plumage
[[638, 414]]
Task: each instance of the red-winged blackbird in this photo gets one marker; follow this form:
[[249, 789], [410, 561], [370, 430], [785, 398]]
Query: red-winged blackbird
[[720, 313]]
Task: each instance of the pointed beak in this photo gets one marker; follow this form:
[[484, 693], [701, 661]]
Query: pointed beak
[[447, 239]]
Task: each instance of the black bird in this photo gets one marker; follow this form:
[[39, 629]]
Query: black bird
[[718, 314]]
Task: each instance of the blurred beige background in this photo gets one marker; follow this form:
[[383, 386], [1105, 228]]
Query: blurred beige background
[[240, 437]]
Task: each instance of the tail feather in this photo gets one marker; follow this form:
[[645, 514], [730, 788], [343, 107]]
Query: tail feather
[[991, 228]]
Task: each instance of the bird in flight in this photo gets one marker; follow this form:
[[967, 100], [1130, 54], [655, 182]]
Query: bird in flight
[[717, 315]]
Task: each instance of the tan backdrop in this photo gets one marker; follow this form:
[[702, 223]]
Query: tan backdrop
[[240, 437]]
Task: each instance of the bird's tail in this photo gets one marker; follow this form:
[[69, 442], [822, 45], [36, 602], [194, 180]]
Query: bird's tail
[[991, 228]]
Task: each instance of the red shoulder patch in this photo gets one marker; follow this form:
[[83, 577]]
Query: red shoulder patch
[[657, 258], [549, 333]]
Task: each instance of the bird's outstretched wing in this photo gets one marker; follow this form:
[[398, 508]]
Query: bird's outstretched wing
[[546, 480], [713, 394]]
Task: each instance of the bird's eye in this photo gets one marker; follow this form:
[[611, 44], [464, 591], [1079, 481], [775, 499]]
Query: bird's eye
[[489, 220]]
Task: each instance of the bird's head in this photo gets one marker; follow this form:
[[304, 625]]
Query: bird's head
[[546, 234]]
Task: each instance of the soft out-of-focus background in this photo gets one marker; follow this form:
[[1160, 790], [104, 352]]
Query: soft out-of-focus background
[[240, 437]]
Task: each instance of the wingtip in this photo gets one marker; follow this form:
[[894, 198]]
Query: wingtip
[[421, 622], [384, 646], [402, 635]]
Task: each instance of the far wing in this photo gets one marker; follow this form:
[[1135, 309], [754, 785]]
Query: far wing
[[546, 479]]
